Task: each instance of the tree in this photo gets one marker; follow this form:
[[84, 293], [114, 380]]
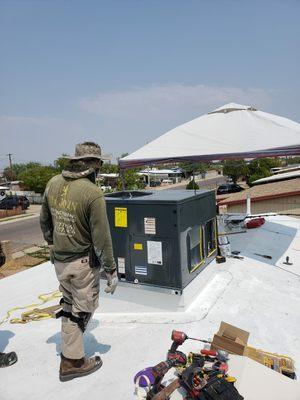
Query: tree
[[61, 162], [109, 169], [293, 160], [37, 177], [124, 155], [260, 168], [132, 180], [235, 169], [192, 185], [189, 168], [18, 169]]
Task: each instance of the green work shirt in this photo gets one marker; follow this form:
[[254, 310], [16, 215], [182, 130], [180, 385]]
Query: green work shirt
[[73, 218]]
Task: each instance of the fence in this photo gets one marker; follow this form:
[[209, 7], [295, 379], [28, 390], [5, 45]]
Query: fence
[[34, 198], [10, 213]]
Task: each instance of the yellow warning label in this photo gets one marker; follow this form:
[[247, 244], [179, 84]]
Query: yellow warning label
[[138, 246], [121, 217]]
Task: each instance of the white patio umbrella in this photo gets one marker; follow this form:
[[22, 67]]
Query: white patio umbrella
[[229, 132]]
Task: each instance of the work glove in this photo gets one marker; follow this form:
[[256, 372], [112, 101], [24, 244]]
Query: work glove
[[112, 281]]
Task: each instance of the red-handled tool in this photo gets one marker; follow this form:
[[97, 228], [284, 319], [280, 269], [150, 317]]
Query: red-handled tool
[[221, 355], [211, 353], [179, 338]]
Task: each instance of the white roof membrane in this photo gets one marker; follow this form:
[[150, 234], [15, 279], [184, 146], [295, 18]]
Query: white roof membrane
[[256, 294]]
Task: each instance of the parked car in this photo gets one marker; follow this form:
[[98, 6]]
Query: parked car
[[167, 181], [155, 183], [229, 188], [10, 202], [23, 200]]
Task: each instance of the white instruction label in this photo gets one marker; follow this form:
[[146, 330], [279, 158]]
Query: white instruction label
[[121, 265], [154, 252], [150, 226], [140, 270]]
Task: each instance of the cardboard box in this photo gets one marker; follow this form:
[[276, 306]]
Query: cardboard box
[[231, 339], [234, 340]]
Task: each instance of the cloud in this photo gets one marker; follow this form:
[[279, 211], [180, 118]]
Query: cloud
[[165, 101], [37, 138]]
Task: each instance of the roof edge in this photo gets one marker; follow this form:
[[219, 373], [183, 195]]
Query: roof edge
[[259, 198]]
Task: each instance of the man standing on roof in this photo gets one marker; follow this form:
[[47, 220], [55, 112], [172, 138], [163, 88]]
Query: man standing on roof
[[6, 359], [74, 223]]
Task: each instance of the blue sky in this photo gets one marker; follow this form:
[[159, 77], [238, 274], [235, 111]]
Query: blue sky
[[122, 72]]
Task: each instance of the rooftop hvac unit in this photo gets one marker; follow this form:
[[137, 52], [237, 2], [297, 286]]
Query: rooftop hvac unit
[[162, 238]]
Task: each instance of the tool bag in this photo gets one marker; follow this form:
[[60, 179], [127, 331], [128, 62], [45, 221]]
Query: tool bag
[[219, 389]]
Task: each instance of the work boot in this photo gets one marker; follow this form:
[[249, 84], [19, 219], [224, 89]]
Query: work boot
[[7, 359], [70, 369]]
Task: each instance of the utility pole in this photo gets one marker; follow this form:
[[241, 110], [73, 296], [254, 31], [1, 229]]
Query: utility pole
[[10, 165]]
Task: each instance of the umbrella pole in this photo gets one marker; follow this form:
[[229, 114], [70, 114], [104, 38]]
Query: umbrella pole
[[123, 181]]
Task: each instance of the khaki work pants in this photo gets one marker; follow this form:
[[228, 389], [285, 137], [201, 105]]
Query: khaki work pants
[[79, 284]]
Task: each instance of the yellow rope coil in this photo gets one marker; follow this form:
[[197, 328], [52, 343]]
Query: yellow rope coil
[[33, 313]]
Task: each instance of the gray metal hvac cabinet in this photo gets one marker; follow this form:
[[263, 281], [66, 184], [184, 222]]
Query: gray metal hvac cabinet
[[163, 238]]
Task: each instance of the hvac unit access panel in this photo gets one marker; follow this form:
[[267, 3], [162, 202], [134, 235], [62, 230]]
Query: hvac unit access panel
[[162, 238]]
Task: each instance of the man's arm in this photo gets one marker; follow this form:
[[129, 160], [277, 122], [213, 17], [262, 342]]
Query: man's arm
[[100, 232], [46, 220]]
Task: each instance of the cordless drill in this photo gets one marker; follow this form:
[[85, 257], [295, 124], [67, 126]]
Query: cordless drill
[[159, 371], [178, 338]]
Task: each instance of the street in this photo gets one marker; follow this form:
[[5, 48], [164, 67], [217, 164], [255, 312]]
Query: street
[[208, 184], [22, 233]]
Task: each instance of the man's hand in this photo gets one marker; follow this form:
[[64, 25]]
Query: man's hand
[[112, 281], [2, 257], [51, 253]]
